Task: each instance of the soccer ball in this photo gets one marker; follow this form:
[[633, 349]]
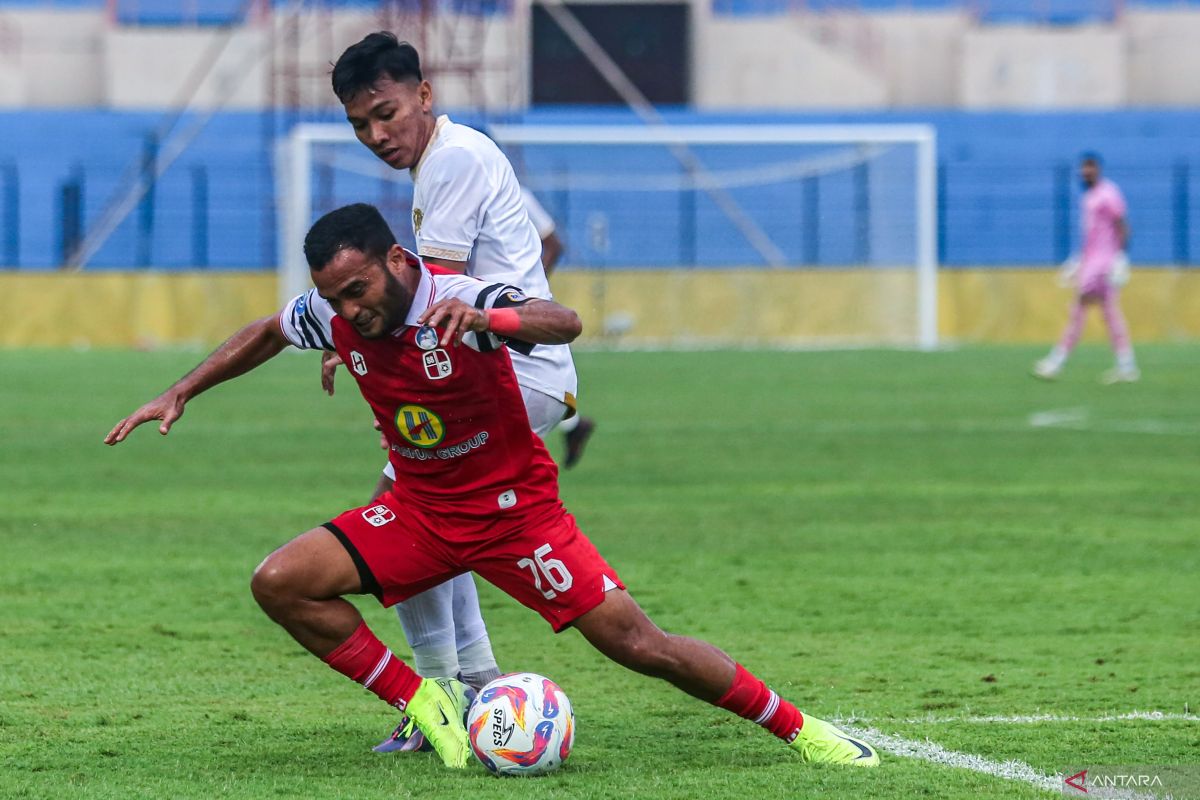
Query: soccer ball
[[521, 724]]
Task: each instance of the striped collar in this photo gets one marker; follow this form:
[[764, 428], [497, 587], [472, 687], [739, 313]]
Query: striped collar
[[423, 297]]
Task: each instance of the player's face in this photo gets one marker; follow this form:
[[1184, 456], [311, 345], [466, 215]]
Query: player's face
[[1089, 173], [394, 120], [365, 291]]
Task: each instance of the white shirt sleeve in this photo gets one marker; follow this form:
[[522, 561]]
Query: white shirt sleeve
[[306, 321], [483, 295], [455, 191], [538, 215]]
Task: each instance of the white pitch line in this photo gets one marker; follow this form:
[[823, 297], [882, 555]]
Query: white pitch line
[[1032, 719], [934, 753], [1059, 418], [1078, 419]]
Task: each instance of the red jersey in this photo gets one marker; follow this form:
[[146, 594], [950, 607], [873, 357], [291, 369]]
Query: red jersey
[[460, 440]]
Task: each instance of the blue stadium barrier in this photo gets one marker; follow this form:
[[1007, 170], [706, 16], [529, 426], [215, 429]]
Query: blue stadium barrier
[[1007, 179], [1046, 12], [173, 12]]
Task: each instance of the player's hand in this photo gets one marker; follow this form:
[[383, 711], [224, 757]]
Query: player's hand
[[329, 364], [383, 442], [167, 407], [1118, 274], [456, 317], [1068, 272]]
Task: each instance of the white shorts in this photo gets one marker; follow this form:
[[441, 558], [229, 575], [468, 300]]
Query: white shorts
[[545, 412]]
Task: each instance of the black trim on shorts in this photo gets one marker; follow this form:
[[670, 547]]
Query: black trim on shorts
[[369, 584]]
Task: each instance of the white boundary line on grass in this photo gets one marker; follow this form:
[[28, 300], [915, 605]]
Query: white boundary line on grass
[[1028, 719], [934, 753], [1078, 419]]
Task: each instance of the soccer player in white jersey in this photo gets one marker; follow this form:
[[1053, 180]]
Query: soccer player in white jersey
[[468, 216], [577, 429]]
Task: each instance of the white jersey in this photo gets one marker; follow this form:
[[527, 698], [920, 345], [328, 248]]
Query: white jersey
[[467, 206], [543, 223]]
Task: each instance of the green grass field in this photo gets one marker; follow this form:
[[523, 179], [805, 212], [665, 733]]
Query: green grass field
[[906, 542]]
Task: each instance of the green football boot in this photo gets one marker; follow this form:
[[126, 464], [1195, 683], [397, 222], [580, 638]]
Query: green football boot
[[822, 743], [438, 709]]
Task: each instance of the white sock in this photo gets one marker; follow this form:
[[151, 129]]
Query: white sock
[[475, 657], [478, 663], [428, 622], [1126, 361]]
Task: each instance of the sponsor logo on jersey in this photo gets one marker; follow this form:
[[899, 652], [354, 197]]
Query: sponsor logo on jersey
[[437, 365], [378, 515], [444, 453], [426, 338], [420, 426], [358, 363], [418, 218]]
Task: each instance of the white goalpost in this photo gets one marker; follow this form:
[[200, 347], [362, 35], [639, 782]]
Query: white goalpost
[[835, 224]]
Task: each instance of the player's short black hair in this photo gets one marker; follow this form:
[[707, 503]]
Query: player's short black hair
[[359, 227], [1091, 157], [377, 55]]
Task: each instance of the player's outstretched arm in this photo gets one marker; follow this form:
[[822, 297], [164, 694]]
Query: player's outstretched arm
[[252, 345], [536, 321]]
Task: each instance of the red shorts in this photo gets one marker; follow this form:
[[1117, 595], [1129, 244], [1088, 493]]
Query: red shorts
[[545, 562]]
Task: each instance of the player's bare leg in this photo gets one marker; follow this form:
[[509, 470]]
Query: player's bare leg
[[301, 585], [621, 630]]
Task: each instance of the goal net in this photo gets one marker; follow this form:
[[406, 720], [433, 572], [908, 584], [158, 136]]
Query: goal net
[[692, 235]]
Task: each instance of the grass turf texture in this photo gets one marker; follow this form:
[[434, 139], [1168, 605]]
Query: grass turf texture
[[879, 534]]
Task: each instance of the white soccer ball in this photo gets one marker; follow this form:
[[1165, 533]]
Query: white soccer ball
[[521, 724]]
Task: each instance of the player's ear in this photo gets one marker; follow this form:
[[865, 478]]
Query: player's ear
[[397, 262], [425, 92]]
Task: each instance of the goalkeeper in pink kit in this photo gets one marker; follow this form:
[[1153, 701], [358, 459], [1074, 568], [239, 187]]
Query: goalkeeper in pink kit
[[1097, 274]]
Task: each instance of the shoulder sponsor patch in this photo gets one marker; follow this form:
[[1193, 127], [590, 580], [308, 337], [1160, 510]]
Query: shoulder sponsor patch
[[512, 296], [426, 338]]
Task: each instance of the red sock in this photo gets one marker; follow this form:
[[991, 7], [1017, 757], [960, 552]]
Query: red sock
[[750, 698], [365, 659]]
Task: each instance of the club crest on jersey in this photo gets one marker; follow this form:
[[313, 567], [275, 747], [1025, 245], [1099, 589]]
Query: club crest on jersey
[[437, 364], [378, 516], [418, 218], [426, 338], [358, 363], [420, 426]]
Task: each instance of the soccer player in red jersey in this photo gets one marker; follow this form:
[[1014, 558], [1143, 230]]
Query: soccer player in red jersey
[[478, 490]]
